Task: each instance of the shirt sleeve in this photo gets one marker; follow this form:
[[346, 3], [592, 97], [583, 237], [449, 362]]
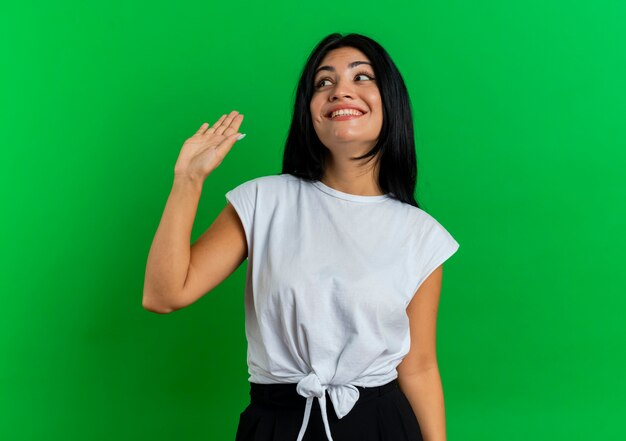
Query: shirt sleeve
[[434, 246], [243, 199]]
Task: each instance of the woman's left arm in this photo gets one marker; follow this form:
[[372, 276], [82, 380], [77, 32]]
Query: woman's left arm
[[418, 373]]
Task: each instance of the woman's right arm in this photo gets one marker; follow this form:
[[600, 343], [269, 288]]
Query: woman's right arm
[[177, 274]]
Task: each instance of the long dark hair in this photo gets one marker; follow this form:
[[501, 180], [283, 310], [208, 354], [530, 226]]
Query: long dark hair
[[304, 154]]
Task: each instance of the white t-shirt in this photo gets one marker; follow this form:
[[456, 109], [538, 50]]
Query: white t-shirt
[[329, 277]]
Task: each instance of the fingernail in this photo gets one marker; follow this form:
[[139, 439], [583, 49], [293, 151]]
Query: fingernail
[[240, 137]]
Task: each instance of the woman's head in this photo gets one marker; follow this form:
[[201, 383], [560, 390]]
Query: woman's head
[[384, 132], [345, 80]]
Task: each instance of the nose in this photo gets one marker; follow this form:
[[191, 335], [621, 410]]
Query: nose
[[342, 89]]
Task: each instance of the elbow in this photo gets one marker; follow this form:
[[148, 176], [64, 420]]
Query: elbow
[[158, 310], [150, 305]]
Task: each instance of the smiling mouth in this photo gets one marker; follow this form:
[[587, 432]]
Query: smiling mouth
[[345, 117]]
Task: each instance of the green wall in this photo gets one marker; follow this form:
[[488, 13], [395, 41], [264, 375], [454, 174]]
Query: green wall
[[520, 129]]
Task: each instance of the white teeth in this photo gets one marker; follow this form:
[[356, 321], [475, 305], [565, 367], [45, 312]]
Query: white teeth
[[345, 112]]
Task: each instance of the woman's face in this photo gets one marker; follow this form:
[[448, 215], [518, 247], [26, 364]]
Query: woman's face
[[343, 81]]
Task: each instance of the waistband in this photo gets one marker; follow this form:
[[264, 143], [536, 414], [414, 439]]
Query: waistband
[[301, 396], [284, 395]]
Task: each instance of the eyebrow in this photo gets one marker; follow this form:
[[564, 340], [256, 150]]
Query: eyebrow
[[332, 69]]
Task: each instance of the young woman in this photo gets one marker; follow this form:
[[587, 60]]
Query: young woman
[[344, 269]]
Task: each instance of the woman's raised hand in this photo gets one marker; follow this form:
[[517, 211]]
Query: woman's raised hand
[[206, 149]]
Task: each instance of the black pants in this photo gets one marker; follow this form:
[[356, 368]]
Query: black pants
[[276, 411]]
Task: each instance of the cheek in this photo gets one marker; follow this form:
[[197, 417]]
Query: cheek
[[315, 110], [379, 111], [314, 104], [377, 102]]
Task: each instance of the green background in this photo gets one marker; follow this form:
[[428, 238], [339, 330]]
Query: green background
[[519, 112]]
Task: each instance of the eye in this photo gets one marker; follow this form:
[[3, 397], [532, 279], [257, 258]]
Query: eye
[[365, 74], [320, 82]]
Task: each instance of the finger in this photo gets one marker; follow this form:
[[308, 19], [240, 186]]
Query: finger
[[202, 128], [220, 130], [217, 124], [225, 123], [234, 125]]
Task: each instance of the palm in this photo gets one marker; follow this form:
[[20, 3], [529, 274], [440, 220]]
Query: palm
[[206, 149]]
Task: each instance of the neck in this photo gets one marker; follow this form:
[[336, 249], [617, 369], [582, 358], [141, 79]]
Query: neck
[[352, 177]]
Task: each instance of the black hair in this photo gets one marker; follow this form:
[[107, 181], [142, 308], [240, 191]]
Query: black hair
[[305, 155]]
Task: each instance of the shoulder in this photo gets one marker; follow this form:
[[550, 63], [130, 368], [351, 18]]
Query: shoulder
[[426, 227], [265, 188], [415, 217], [271, 181], [420, 216]]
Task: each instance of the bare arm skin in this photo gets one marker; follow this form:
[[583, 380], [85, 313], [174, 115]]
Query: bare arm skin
[[176, 274], [168, 259], [418, 373], [214, 256]]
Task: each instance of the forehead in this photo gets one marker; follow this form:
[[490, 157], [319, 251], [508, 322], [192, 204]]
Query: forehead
[[340, 58]]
